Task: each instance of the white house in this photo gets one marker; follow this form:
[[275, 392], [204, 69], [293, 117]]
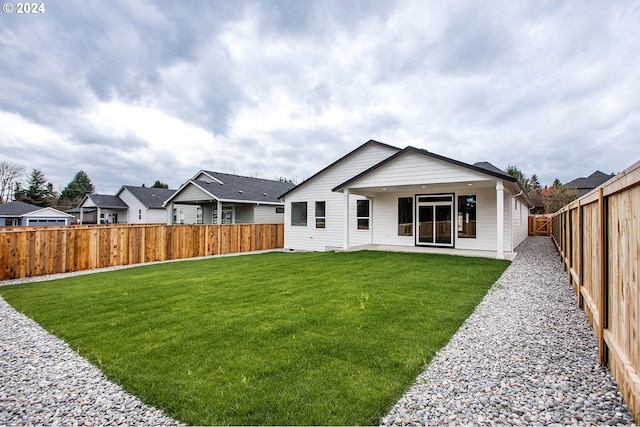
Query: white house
[[383, 195], [145, 204], [222, 198]]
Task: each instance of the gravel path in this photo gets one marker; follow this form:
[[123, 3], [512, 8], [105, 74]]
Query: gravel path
[[527, 355], [44, 382]]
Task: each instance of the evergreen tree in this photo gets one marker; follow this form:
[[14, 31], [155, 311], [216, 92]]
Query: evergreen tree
[[535, 184], [158, 184], [79, 186], [39, 192], [515, 172]]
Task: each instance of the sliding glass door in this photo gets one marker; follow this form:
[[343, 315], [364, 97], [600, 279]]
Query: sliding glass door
[[435, 220]]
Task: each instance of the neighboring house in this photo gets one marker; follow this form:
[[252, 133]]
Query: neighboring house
[[383, 195], [130, 205], [585, 185], [221, 198], [102, 209], [145, 204], [20, 213]]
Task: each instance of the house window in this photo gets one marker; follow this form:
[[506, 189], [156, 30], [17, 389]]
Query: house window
[[405, 216], [320, 214], [175, 216], [139, 213], [181, 216], [199, 215], [299, 213], [214, 215], [227, 216], [467, 216], [362, 214], [280, 210], [238, 214]]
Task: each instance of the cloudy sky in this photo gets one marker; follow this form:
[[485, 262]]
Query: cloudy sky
[[135, 91]]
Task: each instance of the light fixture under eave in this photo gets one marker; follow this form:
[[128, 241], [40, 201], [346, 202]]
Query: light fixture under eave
[[384, 188], [469, 185], [424, 186]]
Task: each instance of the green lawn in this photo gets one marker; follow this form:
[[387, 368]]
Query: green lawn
[[275, 338]]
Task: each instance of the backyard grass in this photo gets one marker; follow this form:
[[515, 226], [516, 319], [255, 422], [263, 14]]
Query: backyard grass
[[268, 339]]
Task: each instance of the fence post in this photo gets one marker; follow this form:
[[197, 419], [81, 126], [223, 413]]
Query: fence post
[[603, 276], [580, 242]]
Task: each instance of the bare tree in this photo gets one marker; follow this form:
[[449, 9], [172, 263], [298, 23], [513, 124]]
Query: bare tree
[[10, 174]]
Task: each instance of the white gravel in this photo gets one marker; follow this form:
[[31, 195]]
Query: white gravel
[[527, 355], [44, 382]]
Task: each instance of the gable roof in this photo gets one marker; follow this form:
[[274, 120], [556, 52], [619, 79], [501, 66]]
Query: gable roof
[[482, 167], [351, 153], [106, 201], [229, 187], [592, 181], [150, 197], [17, 208]]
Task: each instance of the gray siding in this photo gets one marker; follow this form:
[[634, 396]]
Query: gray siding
[[191, 193]]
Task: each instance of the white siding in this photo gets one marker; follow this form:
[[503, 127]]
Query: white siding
[[266, 214], [415, 168], [508, 218], [134, 205], [319, 189], [519, 222], [154, 216], [138, 213], [385, 218]]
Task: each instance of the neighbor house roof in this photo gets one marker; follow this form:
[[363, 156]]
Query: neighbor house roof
[[106, 201], [15, 209], [594, 180], [150, 197], [19, 209], [229, 187]]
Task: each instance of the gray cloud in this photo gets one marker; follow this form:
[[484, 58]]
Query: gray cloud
[[134, 91]]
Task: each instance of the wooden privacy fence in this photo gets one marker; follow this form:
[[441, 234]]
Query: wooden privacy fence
[[598, 237], [540, 225], [27, 251]]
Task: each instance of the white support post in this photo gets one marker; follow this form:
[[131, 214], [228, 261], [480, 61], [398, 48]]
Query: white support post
[[345, 241], [499, 220], [219, 207], [170, 214], [81, 215]]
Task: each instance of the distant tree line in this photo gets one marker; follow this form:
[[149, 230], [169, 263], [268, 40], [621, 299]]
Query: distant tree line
[[38, 191], [545, 199]]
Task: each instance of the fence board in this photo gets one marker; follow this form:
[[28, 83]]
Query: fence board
[[598, 238], [34, 251]]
